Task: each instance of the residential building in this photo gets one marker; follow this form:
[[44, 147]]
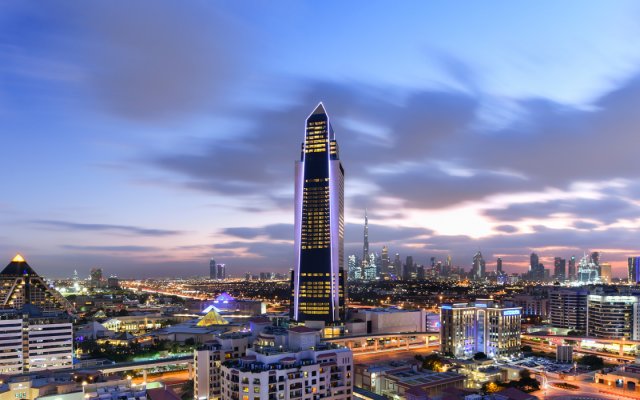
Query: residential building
[[306, 369]]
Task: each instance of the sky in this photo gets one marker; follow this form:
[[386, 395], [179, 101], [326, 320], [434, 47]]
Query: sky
[[150, 138]]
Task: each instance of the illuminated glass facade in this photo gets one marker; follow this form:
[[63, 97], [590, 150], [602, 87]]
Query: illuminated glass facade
[[483, 326], [319, 282]]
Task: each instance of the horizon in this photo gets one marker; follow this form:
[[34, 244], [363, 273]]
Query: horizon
[[149, 139]]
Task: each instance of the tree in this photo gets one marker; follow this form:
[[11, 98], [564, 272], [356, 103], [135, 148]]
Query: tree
[[490, 387], [433, 362], [480, 356], [592, 361], [526, 349], [526, 383]]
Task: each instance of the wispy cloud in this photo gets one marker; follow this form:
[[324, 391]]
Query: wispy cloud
[[116, 229], [111, 249]]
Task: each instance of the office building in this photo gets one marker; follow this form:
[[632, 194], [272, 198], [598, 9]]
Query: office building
[[213, 272], [536, 269], [483, 326], [113, 282], [572, 268], [499, 270], [217, 271], [531, 304], [613, 316], [478, 269], [365, 245], [95, 277], [568, 308], [559, 268], [605, 272], [354, 268], [386, 262], [410, 272], [588, 269], [319, 279], [397, 267], [633, 270]]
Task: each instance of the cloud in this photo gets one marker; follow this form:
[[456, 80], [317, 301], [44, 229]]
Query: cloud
[[607, 210], [111, 249], [118, 229], [506, 228], [147, 62]]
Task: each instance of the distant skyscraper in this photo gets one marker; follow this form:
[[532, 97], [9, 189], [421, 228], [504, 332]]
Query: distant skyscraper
[[478, 270], [409, 270], [354, 268], [221, 272], [397, 266], [319, 279], [634, 270], [386, 263], [213, 273], [365, 243], [572, 268], [605, 272], [499, 266], [559, 268]]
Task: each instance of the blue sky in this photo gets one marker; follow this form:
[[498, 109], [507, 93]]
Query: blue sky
[[146, 139]]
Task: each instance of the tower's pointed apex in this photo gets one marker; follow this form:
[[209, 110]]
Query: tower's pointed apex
[[18, 258], [319, 109]]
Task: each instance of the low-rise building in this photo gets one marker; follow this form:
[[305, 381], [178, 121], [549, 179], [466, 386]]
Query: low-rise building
[[392, 320], [398, 379]]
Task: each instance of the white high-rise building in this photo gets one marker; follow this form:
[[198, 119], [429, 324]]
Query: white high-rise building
[[483, 326]]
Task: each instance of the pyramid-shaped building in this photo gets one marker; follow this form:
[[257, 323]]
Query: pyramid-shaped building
[[21, 286]]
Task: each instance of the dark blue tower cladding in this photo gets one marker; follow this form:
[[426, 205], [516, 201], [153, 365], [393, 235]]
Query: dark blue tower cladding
[[634, 270], [319, 282]]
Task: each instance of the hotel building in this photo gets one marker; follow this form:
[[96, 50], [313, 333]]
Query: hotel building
[[319, 282]]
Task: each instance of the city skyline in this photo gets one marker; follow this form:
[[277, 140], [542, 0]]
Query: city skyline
[[498, 137]]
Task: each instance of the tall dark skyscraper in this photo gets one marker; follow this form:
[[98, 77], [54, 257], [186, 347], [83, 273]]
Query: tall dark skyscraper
[[213, 273], [559, 268], [536, 269], [499, 266], [409, 271], [572, 268], [319, 279], [634, 270]]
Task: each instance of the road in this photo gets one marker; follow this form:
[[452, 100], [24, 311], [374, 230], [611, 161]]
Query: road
[[393, 355]]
